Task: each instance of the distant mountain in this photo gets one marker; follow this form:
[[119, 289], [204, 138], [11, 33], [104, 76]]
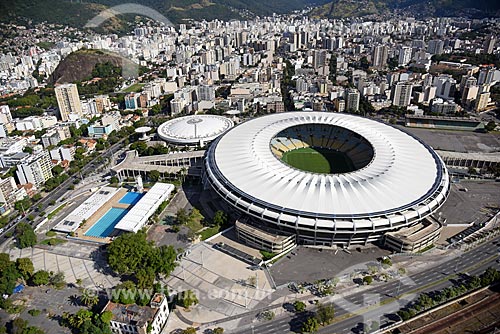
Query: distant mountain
[[77, 12], [417, 8]]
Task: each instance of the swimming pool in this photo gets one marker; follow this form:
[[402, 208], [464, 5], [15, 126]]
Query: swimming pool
[[130, 198], [105, 225]]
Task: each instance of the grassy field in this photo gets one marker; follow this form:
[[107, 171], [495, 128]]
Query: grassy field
[[135, 88], [318, 160]]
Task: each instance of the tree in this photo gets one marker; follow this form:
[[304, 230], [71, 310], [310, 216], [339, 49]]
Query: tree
[[130, 252], [79, 318], [25, 267], [218, 330], [325, 314], [189, 330], [489, 276], [58, 280], [106, 316], [187, 299], [41, 277], [124, 293], [474, 283], [8, 274], [299, 306], [311, 325], [145, 278], [386, 262], [154, 175], [25, 235], [220, 218], [57, 170], [114, 180], [368, 280], [89, 298], [490, 126], [182, 217]]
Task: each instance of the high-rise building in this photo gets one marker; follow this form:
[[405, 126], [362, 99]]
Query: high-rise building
[[486, 75], [177, 105], [206, 93], [404, 56], [7, 190], [482, 101], [435, 47], [132, 101], [352, 99], [340, 105], [5, 115], [489, 44], [401, 94], [68, 101], [445, 86], [37, 170], [379, 56]]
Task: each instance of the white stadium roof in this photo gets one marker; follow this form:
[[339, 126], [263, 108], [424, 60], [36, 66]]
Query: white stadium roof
[[191, 130], [404, 175], [138, 216]]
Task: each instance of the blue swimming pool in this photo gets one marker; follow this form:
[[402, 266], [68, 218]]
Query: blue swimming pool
[[130, 198], [105, 225]]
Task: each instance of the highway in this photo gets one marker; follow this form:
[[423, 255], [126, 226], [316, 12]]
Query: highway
[[379, 303]]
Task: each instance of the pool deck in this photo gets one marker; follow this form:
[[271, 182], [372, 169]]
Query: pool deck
[[112, 203]]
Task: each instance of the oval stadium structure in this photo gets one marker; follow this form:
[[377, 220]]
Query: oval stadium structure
[[326, 178], [194, 129]]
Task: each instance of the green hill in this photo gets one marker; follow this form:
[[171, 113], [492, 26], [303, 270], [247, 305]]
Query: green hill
[[77, 14], [418, 8]]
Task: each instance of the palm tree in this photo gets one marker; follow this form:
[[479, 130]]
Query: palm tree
[[89, 298]]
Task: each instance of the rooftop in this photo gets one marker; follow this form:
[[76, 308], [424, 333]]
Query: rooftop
[[193, 129], [137, 217]]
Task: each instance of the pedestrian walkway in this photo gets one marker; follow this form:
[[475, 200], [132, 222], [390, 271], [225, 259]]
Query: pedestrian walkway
[[82, 262]]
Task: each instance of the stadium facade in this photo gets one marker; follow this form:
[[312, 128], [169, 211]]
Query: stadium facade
[[390, 179]]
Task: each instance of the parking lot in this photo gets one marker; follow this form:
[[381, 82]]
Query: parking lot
[[474, 205], [458, 141]]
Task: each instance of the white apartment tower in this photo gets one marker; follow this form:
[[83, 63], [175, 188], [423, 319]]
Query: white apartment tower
[[37, 170], [401, 94], [68, 101], [379, 56]]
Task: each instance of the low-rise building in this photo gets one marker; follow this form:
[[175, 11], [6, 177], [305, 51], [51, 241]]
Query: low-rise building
[[134, 319]]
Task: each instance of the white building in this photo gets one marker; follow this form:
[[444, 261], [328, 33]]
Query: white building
[[401, 94], [68, 101], [134, 319], [37, 170]]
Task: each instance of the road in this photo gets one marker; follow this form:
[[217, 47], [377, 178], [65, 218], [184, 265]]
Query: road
[[60, 191], [380, 302]]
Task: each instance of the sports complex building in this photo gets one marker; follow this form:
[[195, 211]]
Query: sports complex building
[[110, 211], [324, 178], [194, 130]]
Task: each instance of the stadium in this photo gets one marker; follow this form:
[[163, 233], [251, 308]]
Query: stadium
[[326, 178], [194, 129]]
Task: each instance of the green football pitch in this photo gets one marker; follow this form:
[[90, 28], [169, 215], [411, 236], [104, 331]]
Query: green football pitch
[[318, 160]]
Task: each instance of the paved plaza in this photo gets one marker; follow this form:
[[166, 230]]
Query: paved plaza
[[74, 259], [221, 283]]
